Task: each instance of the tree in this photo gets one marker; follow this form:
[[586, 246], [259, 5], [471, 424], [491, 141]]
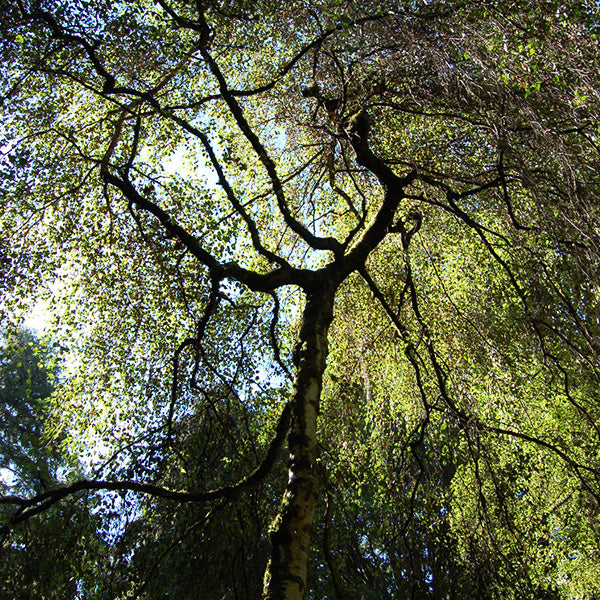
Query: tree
[[25, 383], [215, 182], [30, 465]]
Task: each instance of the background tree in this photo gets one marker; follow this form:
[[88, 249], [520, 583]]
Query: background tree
[[25, 383], [224, 194], [30, 464]]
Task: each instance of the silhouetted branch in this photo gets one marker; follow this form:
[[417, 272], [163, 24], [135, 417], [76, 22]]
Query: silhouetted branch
[[29, 507]]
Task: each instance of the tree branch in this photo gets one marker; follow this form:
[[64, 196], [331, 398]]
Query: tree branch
[[314, 241], [260, 282], [28, 507]]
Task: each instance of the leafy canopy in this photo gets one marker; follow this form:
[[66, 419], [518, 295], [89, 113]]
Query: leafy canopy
[[182, 179]]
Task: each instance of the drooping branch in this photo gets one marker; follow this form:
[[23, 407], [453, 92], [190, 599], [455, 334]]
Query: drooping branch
[[273, 335], [469, 421], [568, 460], [29, 507], [211, 307], [177, 541], [409, 350]]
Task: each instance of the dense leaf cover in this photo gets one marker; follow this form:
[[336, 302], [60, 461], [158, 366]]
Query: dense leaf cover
[[219, 198]]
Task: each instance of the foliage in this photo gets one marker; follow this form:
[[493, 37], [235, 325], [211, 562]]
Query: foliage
[[217, 195], [25, 383], [67, 534]]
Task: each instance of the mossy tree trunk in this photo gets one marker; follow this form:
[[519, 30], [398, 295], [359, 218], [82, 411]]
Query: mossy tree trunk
[[285, 577]]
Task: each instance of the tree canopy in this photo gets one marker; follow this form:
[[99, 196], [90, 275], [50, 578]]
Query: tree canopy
[[328, 276]]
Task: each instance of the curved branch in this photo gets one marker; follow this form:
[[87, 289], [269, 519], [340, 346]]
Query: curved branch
[[356, 131], [200, 26], [576, 466], [28, 507], [409, 351], [273, 335], [211, 306]]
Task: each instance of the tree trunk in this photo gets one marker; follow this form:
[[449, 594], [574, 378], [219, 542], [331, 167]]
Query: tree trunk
[[285, 576]]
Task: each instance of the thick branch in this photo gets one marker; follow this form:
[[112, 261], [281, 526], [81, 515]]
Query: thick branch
[[259, 282], [357, 131]]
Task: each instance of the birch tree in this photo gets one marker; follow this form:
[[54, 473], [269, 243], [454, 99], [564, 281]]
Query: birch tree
[[202, 187]]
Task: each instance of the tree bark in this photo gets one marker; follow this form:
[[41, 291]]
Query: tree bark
[[285, 576]]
